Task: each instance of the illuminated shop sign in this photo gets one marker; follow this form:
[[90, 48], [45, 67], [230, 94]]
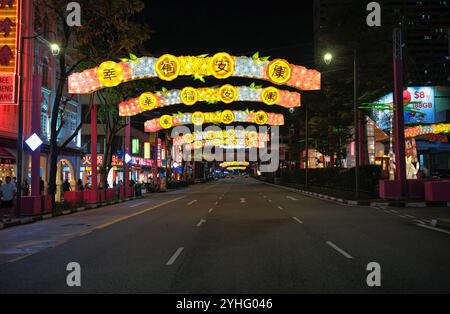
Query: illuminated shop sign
[[421, 101], [9, 44]]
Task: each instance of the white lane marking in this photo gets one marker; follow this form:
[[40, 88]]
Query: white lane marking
[[217, 203], [202, 221], [242, 200], [191, 202], [220, 198], [270, 201], [394, 211], [410, 216], [136, 205], [19, 258], [175, 256], [433, 228], [298, 220], [387, 211], [334, 246], [291, 198], [402, 216], [264, 196], [280, 208], [210, 210]]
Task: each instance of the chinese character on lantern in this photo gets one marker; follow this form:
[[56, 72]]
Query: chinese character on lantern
[[110, 74], [189, 96], [227, 117], [167, 67], [279, 71], [222, 65], [148, 101], [228, 94], [270, 96]]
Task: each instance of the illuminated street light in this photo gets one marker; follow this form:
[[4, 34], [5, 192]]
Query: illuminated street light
[[328, 57], [54, 49]]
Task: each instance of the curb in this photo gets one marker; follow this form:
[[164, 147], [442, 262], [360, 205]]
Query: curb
[[363, 203], [29, 220]]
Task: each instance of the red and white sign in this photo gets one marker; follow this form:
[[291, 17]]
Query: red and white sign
[[9, 46]]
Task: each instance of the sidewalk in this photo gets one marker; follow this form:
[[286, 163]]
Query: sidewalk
[[365, 202]]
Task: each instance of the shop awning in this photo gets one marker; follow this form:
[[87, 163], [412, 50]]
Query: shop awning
[[6, 157]]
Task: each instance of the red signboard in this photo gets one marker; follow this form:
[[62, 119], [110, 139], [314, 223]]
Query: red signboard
[[9, 46]]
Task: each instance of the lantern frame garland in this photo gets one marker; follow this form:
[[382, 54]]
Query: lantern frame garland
[[169, 67], [223, 117], [190, 96], [442, 128]]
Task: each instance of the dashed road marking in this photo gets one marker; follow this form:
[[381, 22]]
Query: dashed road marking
[[298, 220], [334, 246], [175, 256]]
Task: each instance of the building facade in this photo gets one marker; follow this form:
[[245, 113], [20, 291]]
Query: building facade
[[38, 64]]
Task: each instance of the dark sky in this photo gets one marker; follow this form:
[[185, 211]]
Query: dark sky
[[237, 27]]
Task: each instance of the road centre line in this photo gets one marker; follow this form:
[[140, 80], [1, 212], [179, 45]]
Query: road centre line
[[191, 202], [298, 220], [137, 213]]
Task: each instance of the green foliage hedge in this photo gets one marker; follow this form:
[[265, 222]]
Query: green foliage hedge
[[336, 178]]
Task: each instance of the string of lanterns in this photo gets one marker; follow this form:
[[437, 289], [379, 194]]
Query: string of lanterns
[[169, 67], [227, 94]]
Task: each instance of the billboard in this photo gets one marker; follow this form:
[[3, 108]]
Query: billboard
[[423, 107]]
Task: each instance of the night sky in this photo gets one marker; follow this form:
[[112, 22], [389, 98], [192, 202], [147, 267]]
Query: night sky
[[237, 27]]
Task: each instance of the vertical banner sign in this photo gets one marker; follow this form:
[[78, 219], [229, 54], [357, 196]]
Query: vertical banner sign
[[9, 47], [146, 150], [158, 153]]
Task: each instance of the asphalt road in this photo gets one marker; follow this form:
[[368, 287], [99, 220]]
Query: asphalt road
[[229, 236]]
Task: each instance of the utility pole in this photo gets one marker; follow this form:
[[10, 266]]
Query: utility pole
[[399, 126], [356, 121]]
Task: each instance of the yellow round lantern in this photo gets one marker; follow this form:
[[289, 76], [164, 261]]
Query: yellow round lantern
[[261, 117], [167, 67], [166, 121], [221, 65], [228, 94], [252, 135], [189, 96], [270, 95], [210, 135], [279, 71], [198, 144], [110, 74], [188, 138], [227, 117], [198, 118], [148, 101]]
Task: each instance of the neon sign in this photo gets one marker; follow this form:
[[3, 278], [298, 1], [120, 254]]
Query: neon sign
[[9, 44]]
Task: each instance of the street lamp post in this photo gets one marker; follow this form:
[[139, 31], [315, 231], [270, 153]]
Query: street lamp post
[[55, 51], [328, 57], [306, 145]]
